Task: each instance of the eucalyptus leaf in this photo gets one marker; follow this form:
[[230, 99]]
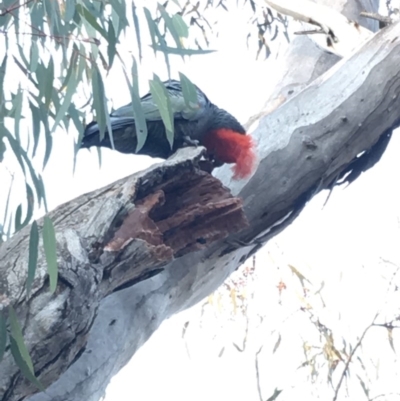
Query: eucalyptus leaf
[[3, 336], [69, 10], [34, 56], [180, 26], [170, 25], [3, 67], [8, 202], [48, 82], [22, 364], [35, 112], [138, 113], [137, 29], [36, 14], [180, 52], [189, 91], [100, 106], [119, 6], [86, 14], [17, 106], [16, 334], [163, 102], [30, 200], [50, 250], [33, 255], [70, 91], [112, 42], [18, 218]]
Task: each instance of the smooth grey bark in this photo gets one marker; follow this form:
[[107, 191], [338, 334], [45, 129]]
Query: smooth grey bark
[[101, 312]]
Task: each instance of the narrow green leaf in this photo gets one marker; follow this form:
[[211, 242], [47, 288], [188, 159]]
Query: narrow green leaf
[[33, 255], [52, 11], [138, 113], [70, 91], [18, 218], [35, 126], [71, 67], [112, 42], [49, 82], [100, 106], [23, 365], [3, 336], [26, 72], [2, 148], [97, 85], [114, 18], [17, 106], [137, 29], [37, 17], [189, 92], [119, 7], [8, 202], [76, 117], [163, 102], [96, 8], [23, 159], [16, 334], [55, 99], [45, 113], [69, 10], [156, 36], [50, 250], [40, 191], [3, 67], [170, 25], [16, 148], [180, 26], [22, 55], [30, 201], [151, 25], [34, 56], [4, 20], [180, 52], [98, 148], [275, 395], [85, 13]]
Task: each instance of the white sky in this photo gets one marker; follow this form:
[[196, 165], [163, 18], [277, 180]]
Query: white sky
[[339, 245]]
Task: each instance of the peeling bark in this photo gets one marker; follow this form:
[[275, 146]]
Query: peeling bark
[[136, 252]]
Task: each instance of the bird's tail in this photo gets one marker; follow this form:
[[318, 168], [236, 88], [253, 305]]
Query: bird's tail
[[91, 135]]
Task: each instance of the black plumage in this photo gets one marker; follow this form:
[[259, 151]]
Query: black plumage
[[190, 125]]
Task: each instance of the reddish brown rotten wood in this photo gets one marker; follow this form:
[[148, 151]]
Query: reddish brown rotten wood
[[185, 213]]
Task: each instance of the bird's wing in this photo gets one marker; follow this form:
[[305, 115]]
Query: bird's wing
[[179, 106], [116, 123]]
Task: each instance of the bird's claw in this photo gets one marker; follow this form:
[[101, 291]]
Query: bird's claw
[[188, 141]]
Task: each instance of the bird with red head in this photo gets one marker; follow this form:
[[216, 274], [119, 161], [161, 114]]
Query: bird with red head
[[208, 125]]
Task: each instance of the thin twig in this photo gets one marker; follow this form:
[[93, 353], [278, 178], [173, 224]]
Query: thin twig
[[383, 395], [258, 374], [14, 7], [378, 17], [350, 357], [310, 32]]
